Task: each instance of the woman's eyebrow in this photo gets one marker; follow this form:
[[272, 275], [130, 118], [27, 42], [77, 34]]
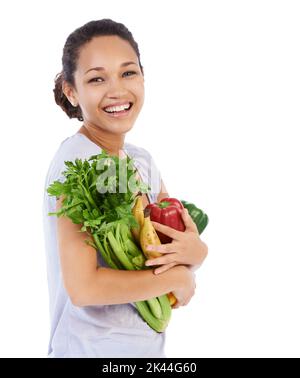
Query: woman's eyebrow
[[103, 69]]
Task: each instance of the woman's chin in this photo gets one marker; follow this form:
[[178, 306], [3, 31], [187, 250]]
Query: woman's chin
[[120, 127]]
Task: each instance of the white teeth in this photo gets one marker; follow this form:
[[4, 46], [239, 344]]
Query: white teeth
[[112, 109]]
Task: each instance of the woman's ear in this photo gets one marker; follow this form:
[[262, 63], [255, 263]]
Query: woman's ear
[[69, 93]]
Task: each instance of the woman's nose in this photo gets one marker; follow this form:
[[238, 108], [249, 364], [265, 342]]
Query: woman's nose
[[116, 88]]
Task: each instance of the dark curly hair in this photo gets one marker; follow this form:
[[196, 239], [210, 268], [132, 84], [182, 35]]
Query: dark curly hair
[[71, 50]]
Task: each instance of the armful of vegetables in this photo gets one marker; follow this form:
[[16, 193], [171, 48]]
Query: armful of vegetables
[[92, 198], [115, 219]]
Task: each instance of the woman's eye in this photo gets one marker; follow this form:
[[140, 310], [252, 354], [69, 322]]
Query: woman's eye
[[132, 72], [95, 79]]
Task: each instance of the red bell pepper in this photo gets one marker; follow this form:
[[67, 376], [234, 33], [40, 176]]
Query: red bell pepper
[[167, 212]]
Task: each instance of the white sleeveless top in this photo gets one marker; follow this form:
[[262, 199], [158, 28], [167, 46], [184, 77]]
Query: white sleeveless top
[[102, 330]]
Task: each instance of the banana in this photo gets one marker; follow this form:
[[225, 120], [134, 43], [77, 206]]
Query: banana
[[148, 235], [138, 213]]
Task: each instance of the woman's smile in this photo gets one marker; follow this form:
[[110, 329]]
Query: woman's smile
[[119, 111]]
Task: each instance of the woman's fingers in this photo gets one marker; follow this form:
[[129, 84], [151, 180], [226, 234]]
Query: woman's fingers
[[169, 231], [190, 225], [166, 259], [162, 248], [163, 268]]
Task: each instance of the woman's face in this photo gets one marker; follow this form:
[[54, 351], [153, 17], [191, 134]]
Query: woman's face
[[96, 89]]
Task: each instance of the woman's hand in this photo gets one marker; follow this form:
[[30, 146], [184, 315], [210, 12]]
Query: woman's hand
[[186, 247], [185, 286]]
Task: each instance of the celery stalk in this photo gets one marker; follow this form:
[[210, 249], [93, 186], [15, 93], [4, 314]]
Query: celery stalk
[[165, 307], [157, 324], [119, 252], [155, 308], [104, 253]]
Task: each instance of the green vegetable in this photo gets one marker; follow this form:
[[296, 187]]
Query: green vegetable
[[118, 251], [97, 195], [198, 216]]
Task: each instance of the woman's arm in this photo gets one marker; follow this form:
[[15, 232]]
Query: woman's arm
[[88, 284]]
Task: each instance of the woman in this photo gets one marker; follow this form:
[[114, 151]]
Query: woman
[[91, 306]]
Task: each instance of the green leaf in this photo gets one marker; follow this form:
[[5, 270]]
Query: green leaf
[[86, 214], [56, 189]]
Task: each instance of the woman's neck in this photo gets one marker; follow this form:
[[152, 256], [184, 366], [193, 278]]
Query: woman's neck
[[111, 143]]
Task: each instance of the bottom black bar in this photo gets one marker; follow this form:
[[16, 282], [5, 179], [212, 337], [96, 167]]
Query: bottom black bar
[[102, 367]]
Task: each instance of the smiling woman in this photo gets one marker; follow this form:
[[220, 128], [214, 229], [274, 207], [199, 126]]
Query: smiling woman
[[91, 305], [93, 92]]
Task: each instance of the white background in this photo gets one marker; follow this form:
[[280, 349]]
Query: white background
[[221, 119]]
